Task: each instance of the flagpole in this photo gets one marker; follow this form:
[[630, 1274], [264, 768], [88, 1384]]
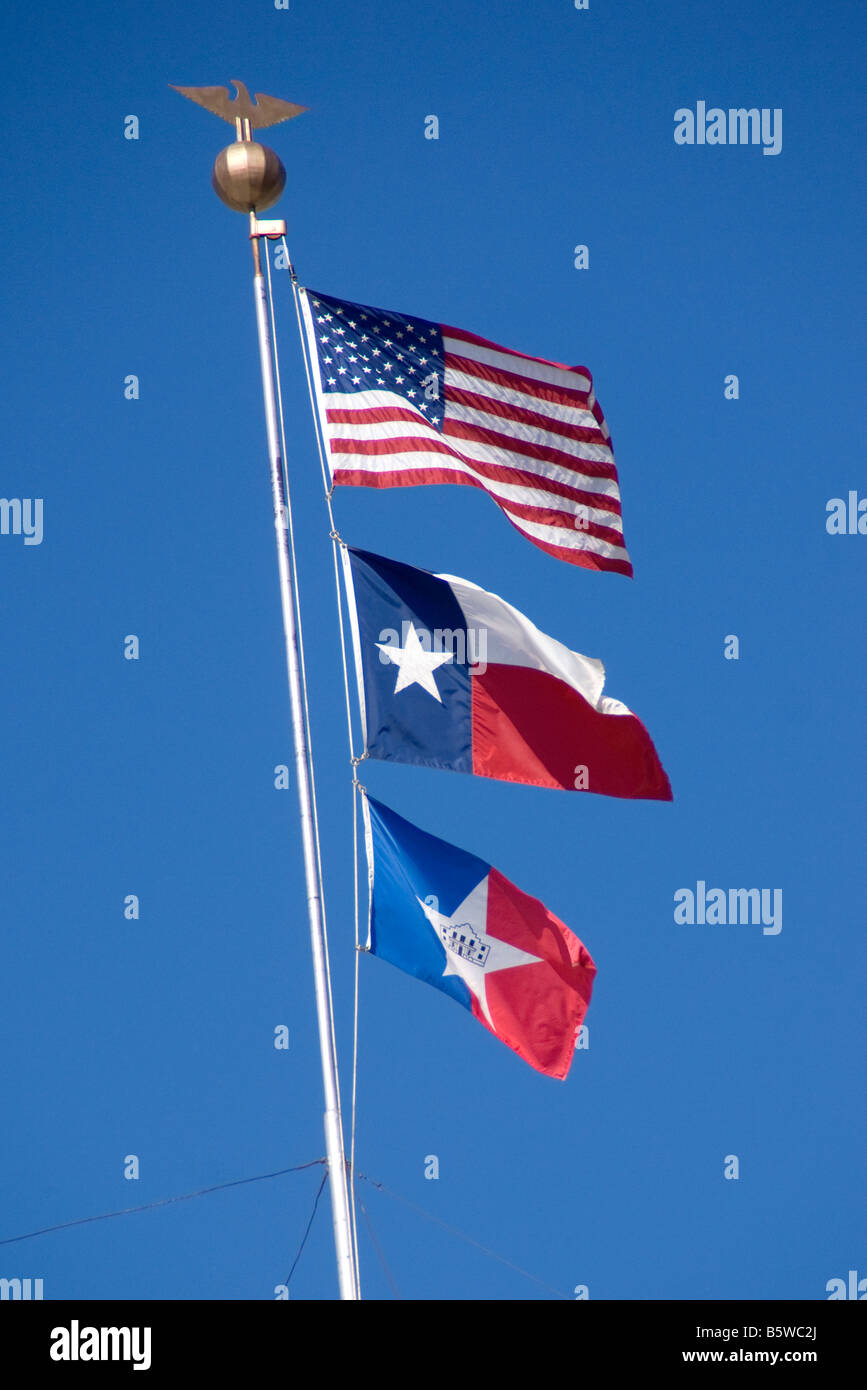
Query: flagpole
[[333, 1126], [249, 178]]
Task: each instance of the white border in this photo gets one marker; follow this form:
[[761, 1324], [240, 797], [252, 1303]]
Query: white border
[[368, 848], [352, 609]]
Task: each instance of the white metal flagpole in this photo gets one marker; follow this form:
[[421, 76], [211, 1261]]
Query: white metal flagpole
[[333, 1123], [249, 178]]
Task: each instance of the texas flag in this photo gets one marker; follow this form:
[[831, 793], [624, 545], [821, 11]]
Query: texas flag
[[448, 917], [451, 676]]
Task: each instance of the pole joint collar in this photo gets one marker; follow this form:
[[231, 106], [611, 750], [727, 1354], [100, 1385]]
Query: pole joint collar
[[273, 229]]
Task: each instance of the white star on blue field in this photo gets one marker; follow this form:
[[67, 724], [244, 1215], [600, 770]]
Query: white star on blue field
[[361, 350]]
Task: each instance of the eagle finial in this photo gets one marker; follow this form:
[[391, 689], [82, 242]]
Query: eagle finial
[[264, 111]]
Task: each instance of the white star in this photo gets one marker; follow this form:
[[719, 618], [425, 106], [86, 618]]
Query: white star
[[416, 665], [465, 929]]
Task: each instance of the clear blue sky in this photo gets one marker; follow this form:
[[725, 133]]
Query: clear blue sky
[[154, 1037]]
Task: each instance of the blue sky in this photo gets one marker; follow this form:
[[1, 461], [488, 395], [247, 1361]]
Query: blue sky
[[155, 777]]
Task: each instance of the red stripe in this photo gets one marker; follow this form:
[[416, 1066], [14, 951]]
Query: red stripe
[[372, 414], [531, 727], [459, 429], [530, 386], [549, 516], [415, 477], [434, 443], [465, 337], [587, 559], [496, 472], [583, 433], [546, 391], [546, 453]]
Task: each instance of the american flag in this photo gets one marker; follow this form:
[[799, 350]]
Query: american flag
[[403, 401]]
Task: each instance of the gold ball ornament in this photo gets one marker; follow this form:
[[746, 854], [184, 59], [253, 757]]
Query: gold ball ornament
[[248, 177]]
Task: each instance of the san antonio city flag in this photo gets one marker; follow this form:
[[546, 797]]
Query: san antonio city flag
[[404, 401], [451, 676], [449, 918]]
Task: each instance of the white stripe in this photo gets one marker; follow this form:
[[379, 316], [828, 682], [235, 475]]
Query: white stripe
[[480, 452], [568, 540], [478, 449], [379, 397], [506, 492], [362, 401], [569, 414], [512, 640], [509, 362], [383, 396], [366, 400], [532, 434], [471, 450]]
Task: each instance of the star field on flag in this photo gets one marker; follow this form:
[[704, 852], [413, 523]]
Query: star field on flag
[[404, 401]]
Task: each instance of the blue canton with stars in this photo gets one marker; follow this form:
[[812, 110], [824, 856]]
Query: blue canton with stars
[[366, 349]]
